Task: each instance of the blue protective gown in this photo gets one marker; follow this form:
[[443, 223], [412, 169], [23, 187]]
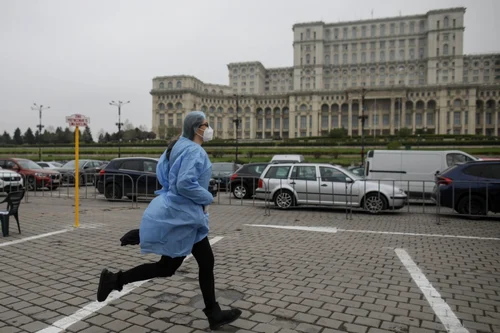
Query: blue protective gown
[[174, 220]]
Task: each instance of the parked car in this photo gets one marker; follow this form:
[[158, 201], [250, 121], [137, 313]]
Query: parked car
[[412, 170], [246, 179], [35, 176], [222, 172], [471, 188], [86, 169], [287, 159], [323, 184], [49, 165], [132, 177], [10, 180], [357, 170]]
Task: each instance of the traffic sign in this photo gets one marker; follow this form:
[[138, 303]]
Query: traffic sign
[[78, 120]]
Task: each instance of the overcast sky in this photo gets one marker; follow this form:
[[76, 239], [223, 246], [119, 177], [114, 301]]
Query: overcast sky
[[77, 56]]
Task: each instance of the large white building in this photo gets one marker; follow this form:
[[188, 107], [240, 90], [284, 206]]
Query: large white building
[[411, 71]]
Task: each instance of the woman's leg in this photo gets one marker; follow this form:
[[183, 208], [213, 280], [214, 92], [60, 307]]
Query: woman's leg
[[108, 281], [202, 252]]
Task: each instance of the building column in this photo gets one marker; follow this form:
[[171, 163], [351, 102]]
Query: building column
[[424, 119], [496, 123], [292, 127], [391, 120], [462, 122], [225, 127], [436, 122], [349, 119], [252, 127], [315, 125], [484, 121], [339, 117], [370, 122], [402, 114], [329, 121], [308, 128], [472, 117], [413, 120]]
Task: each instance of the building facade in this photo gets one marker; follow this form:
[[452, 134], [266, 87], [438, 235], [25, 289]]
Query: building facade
[[397, 72]]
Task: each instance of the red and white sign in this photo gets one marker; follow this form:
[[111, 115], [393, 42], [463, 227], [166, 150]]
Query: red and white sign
[[78, 120]]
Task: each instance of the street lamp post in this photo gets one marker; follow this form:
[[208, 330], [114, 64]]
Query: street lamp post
[[39, 108], [237, 121], [119, 123], [363, 118]]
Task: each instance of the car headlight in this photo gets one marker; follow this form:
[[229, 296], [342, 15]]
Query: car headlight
[[400, 191]]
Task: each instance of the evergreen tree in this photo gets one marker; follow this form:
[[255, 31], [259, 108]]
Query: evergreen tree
[[18, 138], [87, 135], [59, 136], [28, 137], [6, 139]]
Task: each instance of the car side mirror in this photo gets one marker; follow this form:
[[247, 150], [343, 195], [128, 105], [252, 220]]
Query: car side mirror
[[348, 180]]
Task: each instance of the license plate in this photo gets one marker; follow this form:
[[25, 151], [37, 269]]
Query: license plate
[[55, 181]]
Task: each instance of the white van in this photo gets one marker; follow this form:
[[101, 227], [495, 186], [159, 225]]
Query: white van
[[287, 159], [412, 170]]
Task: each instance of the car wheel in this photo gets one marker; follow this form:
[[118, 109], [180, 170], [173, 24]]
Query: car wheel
[[240, 191], [284, 199], [53, 188], [113, 191], [132, 198], [473, 205], [375, 203]]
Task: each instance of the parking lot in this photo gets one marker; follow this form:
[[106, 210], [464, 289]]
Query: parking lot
[[305, 270]]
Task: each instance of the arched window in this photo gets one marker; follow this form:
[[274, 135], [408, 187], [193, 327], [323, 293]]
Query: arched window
[[178, 106], [308, 58], [170, 106], [327, 59], [162, 85], [457, 103], [169, 86], [204, 108], [446, 21], [220, 110], [303, 107], [161, 106], [179, 84], [212, 109]]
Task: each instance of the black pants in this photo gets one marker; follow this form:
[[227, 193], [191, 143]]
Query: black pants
[[202, 252]]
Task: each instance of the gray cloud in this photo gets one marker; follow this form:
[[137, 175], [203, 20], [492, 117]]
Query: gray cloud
[[76, 56]]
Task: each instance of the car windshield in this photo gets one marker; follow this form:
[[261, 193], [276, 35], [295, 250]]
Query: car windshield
[[71, 165], [28, 164], [222, 167], [350, 174]]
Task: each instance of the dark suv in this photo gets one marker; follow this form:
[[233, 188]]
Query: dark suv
[[132, 177], [246, 179], [471, 188]]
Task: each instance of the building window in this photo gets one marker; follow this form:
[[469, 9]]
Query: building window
[[354, 32], [393, 28], [412, 27], [372, 57], [363, 31], [363, 57], [327, 34], [445, 49], [430, 119], [345, 33], [418, 119], [373, 30], [169, 85], [446, 21], [456, 118], [422, 26], [162, 85], [336, 59], [382, 30], [308, 34], [344, 58], [382, 55], [308, 58], [354, 58], [392, 55], [336, 33], [327, 59], [412, 54], [402, 28]]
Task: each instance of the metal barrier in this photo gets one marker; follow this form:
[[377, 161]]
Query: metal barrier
[[442, 198]]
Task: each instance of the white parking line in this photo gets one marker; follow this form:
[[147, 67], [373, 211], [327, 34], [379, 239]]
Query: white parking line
[[93, 307], [438, 305], [317, 229], [335, 230], [22, 240]]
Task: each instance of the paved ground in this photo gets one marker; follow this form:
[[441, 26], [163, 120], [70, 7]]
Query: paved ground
[[351, 280]]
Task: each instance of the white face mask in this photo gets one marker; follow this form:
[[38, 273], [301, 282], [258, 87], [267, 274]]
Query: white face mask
[[208, 134]]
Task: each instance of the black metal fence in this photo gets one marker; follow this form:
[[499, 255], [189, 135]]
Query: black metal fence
[[478, 199]]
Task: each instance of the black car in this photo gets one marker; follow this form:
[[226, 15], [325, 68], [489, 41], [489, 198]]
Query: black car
[[246, 179], [221, 172], [132, 177], [86, 169], [471, 188]]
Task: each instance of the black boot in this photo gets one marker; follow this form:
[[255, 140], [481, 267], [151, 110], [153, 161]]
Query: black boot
[[107, 283], [217, 317]]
